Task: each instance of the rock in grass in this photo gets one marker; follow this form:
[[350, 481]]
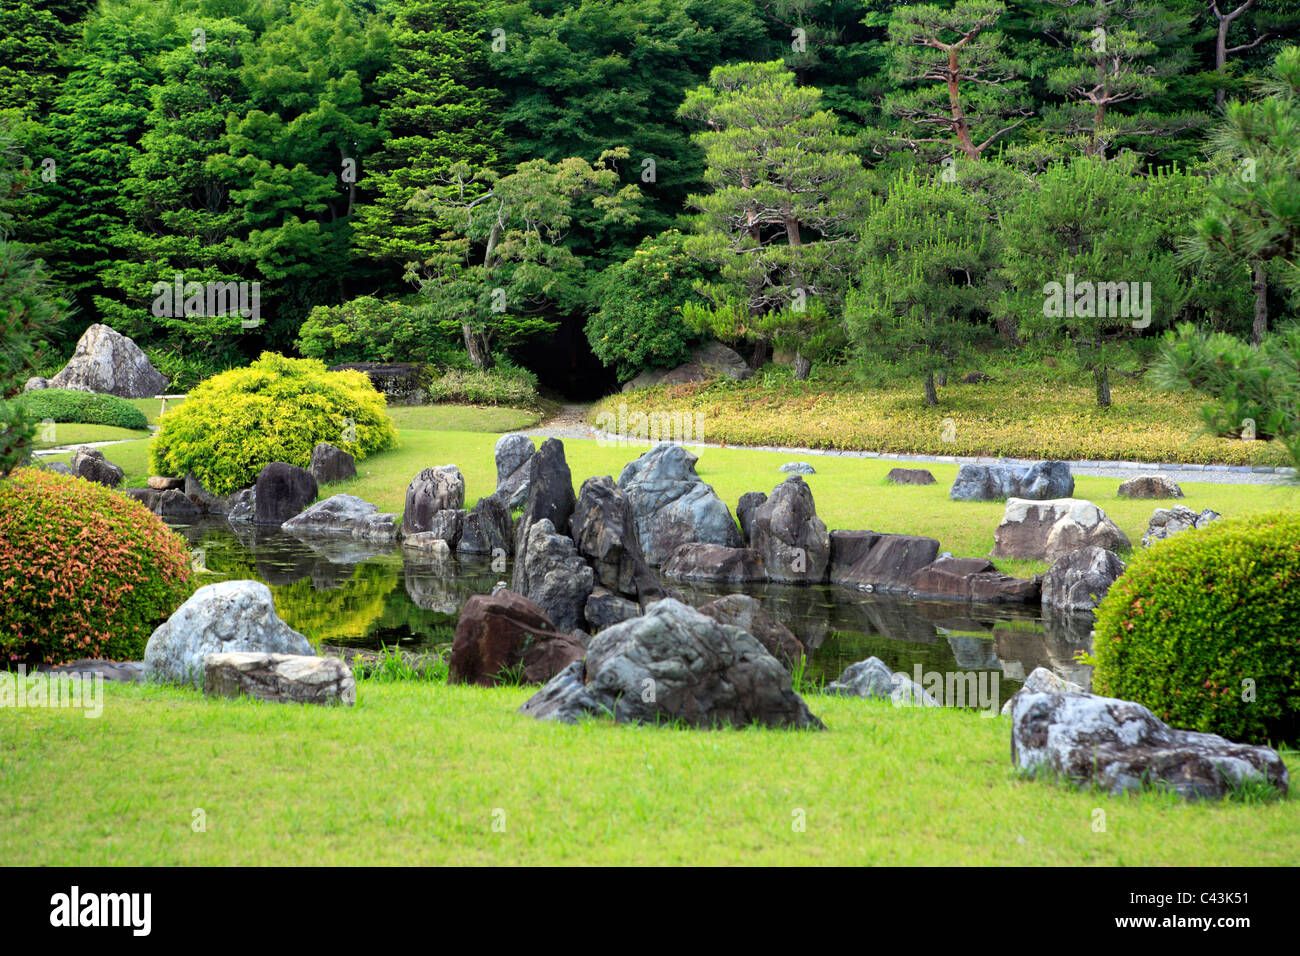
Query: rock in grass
[[1046, 530], [675, 664], [872, 678], [504, 633], [1038, 482], [909, 476], [1170, 521], [1119, 746], [331, 463], [220, 618], [1042, 681], [798, 468], [283, 678], [90, 464], [1150, 486]]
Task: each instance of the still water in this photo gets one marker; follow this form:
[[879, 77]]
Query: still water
[[347, 593]]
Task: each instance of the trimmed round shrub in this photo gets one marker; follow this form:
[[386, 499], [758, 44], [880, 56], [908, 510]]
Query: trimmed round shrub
[[81, 408], [84, 571], [1204, 629], [276, 409]]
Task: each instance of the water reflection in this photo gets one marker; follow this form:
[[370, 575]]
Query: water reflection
[[339, 591]]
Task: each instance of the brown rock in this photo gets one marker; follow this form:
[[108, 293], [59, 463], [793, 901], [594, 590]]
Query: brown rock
[[1150, 486], [909, 476], [166, 484], [506, 631]]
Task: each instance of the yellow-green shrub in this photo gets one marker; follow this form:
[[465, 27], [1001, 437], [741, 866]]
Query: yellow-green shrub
[[276, 409]]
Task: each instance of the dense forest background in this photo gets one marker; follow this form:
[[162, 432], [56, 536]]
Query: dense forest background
[[568, 184]]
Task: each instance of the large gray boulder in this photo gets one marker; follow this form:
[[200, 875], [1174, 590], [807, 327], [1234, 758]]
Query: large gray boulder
[[1166, 522], [282, 678], [344, 516], [1043, 681], [1119, 746], [1045, 530], [793, 541], [282, 491], [672, 505], [108, 362], [488, 528], [90, 464], [1078, 581], [550, 572], [219, 618], [513, 453], [605, 533], [550, 490], [1038, 482], [709, 361], [431, 491], [675, 664], [873, 679]]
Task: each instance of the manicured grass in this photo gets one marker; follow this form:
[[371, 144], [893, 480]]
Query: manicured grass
[[1023, 413], [415, 772], [74, 434], [849, 492], [463, 418], [152, 406]]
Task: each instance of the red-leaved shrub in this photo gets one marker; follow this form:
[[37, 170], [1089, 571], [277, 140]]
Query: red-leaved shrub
[[84, 571]]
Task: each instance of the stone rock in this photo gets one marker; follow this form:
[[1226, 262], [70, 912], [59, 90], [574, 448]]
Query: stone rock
[[1150, 486], [605, 533], [36, 383], [675, 664], [972, 579], [1079, 580], [243, 505], [166, 484], [284, 678], [605, 609], [488, 528], [282, 491], [1119, 746], [847, 548], [1042, 681], [402, 383], [550, 490], [746, 613], [123, 672], [58, 467], [503, 632], [218, 618], [207, 502], [448, 525], [873, 679], [909, 476], [890, 563], [176, 505], [513, 453], [549, 571], [90, 464], [108, 362], [431, 491], [1170, 521], [798, 468], [715, 564], [330, 463], [428, 543], [704, 364], [344, 515], [672, 505], [745, 508], [1045, 530], [1040, 481], [793, 541]]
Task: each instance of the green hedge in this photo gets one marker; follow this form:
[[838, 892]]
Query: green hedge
[[1201, 623], [504, 385], [81, 408]]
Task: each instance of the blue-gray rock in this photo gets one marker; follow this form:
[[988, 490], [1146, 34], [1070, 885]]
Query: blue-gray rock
[[549, 572], [873, 679], [672, 505], [344, 515], [1039, 481], [219, 618], [1078, 581], [798, 468], [793, 541], [605, 533], [1166, 522], [513, 453]]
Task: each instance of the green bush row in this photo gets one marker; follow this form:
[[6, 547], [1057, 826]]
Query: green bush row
[[81, 408]]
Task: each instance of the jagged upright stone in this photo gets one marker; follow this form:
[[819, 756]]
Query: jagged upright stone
[[672, 505]]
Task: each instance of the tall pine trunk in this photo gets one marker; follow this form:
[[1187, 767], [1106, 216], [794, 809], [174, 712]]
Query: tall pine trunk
[[1260, 325], [931, 396]]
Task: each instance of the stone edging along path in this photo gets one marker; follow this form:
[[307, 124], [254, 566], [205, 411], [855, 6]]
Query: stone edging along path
[[569, 427]]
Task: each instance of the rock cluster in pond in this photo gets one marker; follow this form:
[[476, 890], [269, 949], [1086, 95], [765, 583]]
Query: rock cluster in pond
[[605, 533], [909, 476], [513, 453], [1170, 521], [709, 361], [1119, 745], [1040, 481], [674, 663], [282, 491], [792, 540], [1046, 530], [108, 362], [90, 464], [504, 634], [218, 618], [1150, 486], [1077, 581], [283, 678], [873, 679], [549, 571], [344, 515], [331, 463], [672, 505], [431, 491]]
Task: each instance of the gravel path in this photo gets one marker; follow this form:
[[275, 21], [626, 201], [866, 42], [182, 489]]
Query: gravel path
[[569, 424]]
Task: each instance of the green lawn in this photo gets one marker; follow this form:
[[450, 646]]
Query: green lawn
[[415, 772], [75, 434], [849, 492]]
